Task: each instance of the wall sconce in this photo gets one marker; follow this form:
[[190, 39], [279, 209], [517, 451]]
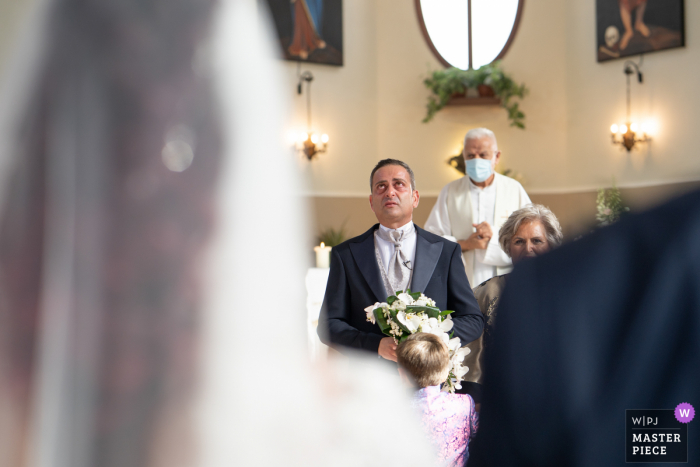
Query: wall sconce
[[627, 134], [458, 163], [309, 143]]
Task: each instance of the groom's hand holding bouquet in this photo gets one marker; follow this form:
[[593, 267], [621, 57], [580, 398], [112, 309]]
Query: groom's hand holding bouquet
[[409, 312]]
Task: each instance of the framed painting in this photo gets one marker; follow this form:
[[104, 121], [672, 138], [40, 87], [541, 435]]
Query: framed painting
[[309, 30], [633, 27]]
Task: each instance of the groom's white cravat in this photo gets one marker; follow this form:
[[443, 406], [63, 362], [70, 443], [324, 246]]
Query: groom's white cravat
[[386, 250]]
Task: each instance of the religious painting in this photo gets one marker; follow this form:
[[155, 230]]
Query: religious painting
[[309, 30], [633, 27]]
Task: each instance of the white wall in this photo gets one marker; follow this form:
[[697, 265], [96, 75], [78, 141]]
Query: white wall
[[596, 98], [373, 106], [379, 116], [344, 105], [404, 61]]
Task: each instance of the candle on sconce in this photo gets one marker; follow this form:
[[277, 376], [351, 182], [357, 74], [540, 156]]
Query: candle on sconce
[[323, 255]]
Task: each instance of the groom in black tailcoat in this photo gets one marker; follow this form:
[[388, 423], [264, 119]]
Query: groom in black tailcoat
[[393, 255]]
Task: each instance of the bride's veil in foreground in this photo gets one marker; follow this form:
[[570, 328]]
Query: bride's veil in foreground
[[152, 254]]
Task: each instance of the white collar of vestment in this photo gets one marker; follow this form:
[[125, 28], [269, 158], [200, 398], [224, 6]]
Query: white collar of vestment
[[488, 189], [406, 227]]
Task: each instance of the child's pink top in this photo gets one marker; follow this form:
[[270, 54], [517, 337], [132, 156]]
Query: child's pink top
[[450, 422]]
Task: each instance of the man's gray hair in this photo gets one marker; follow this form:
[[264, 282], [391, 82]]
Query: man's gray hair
[[478, 133], [385, 162], [531, 212]]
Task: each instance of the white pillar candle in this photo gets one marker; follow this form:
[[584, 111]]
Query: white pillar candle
[[323, 256]]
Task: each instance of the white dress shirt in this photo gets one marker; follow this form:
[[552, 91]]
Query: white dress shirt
[[483, 202], [386, 249]]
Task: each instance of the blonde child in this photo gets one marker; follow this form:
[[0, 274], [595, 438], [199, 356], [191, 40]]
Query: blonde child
[[449, 420]]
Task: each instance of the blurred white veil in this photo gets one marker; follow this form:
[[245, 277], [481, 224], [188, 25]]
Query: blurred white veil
[[170, 325]]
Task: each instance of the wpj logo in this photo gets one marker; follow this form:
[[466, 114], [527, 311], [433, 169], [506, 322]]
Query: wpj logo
[[655, 436]]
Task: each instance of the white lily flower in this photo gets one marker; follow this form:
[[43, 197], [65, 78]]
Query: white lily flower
[[435, 330], [421, 302], [370, 312], [454, 344], [405, 298], [414, 322], [462, 352], [460, 370], [448, 324], [401, 317]]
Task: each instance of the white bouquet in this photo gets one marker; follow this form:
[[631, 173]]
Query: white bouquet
[[409, 312]]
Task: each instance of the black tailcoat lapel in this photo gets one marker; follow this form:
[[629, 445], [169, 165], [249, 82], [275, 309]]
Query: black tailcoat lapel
[[427, 256], [366, 260]]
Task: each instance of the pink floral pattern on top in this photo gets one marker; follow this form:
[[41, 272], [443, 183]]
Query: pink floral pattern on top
[[449, 420]]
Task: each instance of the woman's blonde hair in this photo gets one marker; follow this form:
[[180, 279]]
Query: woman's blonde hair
[[531, 212], [425, 357]]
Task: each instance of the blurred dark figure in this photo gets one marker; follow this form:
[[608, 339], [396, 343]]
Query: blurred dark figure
[[607, 323], [108, 211]]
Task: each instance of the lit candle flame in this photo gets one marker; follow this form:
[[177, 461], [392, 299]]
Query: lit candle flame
[[323, 245]]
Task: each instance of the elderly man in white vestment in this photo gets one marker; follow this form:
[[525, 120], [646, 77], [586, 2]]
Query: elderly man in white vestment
[[472, 209]]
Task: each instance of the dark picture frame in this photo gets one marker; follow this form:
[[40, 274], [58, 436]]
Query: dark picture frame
[[633, 27], [309, 30]]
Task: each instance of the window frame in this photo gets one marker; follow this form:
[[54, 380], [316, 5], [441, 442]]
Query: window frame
[[441, 59]]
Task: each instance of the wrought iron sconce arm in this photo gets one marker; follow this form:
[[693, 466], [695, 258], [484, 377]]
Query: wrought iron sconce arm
[[309, 143], [626, 134]]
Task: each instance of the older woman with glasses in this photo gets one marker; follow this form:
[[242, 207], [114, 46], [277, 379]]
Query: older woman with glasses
[[528, 232]]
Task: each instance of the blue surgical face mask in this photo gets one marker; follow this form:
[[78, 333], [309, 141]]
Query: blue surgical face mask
[[479, 169]]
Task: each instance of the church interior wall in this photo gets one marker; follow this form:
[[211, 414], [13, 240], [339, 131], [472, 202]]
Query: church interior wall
[[372, 108], [575, 210], [343, 105], [564, 154], [596, 99]]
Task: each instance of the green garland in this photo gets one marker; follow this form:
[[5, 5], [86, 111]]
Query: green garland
[[445, 83]]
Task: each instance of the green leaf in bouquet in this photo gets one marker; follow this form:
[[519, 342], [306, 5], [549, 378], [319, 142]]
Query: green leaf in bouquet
[[446, 312], [391, 299], [381, 321], [414, 295], [452, 334], [429, 310], [403, 338]]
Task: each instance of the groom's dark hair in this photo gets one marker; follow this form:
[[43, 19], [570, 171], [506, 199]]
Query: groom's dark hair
[[385, 162]]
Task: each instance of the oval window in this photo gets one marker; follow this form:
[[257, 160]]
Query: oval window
[[469, 33]]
